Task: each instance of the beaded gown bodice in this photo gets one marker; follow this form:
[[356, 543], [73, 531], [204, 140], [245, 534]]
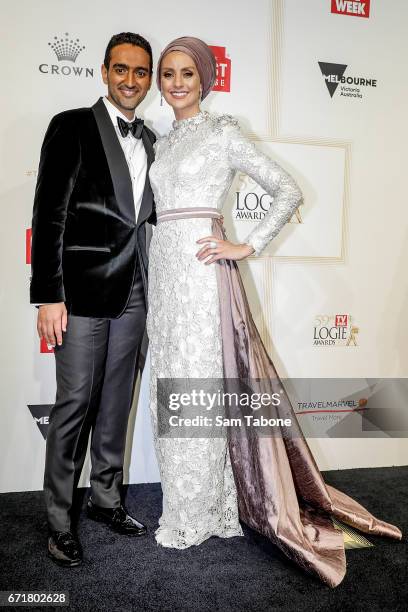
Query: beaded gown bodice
[[195, 165]]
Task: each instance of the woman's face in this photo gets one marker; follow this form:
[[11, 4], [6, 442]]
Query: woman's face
[[180, 84]]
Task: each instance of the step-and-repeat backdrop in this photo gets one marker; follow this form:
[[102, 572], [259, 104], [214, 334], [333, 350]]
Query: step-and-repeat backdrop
[[320, 87]]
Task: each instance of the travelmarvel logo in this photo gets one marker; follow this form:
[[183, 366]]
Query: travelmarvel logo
[[361, 8]]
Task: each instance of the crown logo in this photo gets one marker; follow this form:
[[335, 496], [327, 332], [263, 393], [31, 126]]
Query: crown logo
[[66, 48]]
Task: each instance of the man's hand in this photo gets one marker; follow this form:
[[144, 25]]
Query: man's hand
[[51, 322]]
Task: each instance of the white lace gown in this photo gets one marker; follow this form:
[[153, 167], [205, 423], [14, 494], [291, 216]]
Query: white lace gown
[[194, 167]]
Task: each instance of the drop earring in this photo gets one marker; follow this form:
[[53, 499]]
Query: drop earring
[[161, 99]]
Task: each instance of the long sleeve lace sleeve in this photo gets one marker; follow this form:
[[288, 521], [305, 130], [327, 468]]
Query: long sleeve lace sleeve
[[279, 184]]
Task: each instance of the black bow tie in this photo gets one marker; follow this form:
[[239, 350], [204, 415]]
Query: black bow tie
[[134, 128]]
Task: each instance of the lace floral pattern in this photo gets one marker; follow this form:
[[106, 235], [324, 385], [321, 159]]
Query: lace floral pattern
[[199, 497], [195, 165]]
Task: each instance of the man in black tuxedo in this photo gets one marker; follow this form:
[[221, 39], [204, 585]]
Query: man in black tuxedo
[[89, 277]]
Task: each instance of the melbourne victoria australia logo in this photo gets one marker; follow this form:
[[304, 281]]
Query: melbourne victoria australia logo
[[41, 415], [350, 86], [252, 202], [66, 50], [359, 8], [334, 330]]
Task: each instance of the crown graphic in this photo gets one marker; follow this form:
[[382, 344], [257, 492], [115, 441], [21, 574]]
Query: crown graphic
[[66, 48]]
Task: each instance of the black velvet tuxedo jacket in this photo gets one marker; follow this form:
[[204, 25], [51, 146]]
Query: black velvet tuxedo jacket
[[86, 241]]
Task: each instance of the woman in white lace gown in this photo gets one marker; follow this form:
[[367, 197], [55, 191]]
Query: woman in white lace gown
[[194, 167], [200, 326]]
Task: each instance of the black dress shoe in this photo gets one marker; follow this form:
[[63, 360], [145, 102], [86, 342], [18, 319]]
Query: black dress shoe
[[118, 519], [64, 549]]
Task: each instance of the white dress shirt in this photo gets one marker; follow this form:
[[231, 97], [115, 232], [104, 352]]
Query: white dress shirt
[[134, 152]]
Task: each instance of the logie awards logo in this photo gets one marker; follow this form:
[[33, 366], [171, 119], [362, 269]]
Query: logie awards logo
[[334, 330], [66, 49], [252, 202]]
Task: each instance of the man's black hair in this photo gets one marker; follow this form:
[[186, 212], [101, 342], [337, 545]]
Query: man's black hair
[[129, 38]]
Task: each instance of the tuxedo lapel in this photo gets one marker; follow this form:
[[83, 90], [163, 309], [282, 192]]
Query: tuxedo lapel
[[147, 198], [122, 183]]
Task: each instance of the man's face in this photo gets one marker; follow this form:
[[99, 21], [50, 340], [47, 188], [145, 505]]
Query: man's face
[[128, 77]]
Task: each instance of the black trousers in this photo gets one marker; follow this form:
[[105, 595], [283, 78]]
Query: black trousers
[[95, 371]]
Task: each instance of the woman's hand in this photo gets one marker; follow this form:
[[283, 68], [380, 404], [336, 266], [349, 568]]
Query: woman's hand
[[215, 249]]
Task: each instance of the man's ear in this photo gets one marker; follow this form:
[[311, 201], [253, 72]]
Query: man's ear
[[104, 74]]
